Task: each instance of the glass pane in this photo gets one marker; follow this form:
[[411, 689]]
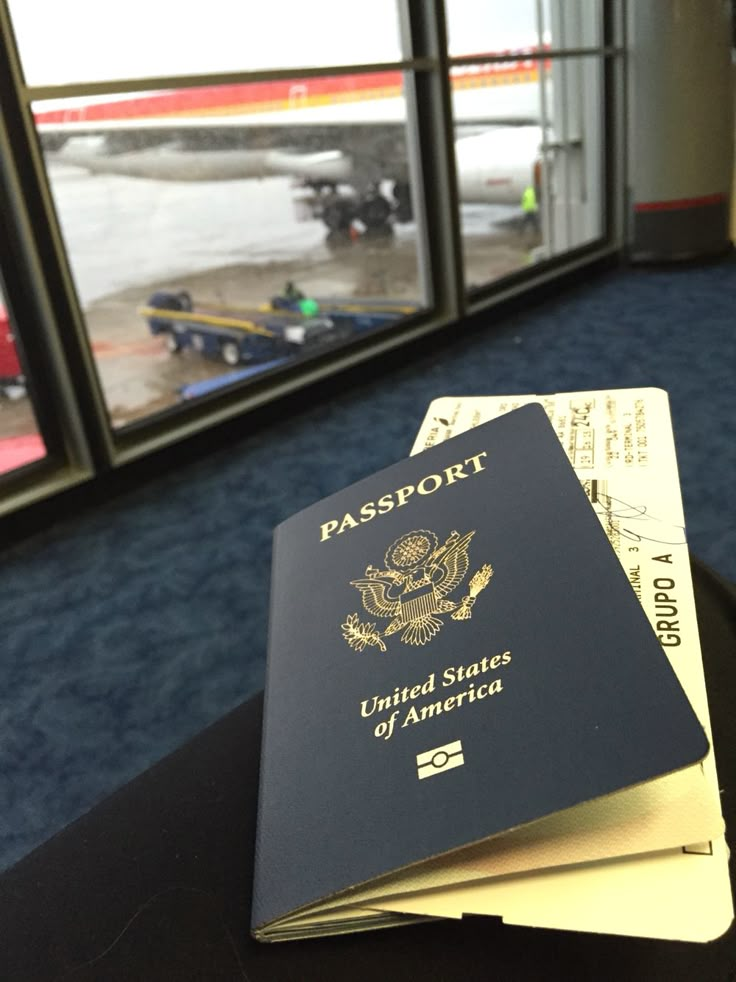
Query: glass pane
[[20, 441], [483, 27], [534, 189], [90, 41], [571, 201], [477, 27], [572, 23], [304, 182]]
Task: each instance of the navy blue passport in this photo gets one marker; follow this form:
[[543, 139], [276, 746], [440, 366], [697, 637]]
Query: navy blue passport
[[454, 651]]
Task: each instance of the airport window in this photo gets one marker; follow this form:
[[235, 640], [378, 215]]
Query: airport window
[[222, 260], [571, 179], [227, 208], [529, 190], [529, 146], [20, 440]]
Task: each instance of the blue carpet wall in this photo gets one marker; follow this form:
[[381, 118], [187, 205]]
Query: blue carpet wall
[[129, 628]]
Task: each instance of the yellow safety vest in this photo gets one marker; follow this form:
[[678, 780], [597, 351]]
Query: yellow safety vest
[[529, 200]]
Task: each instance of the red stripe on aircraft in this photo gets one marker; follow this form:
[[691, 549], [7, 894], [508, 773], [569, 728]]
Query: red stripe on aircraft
[[286, 94]]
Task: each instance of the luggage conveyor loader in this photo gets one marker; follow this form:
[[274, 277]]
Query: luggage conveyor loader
[[290, 324]]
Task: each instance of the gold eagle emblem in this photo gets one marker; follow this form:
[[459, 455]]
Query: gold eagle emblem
[[412, 589]]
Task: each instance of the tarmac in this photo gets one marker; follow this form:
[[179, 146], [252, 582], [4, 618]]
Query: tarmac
[[232, 244]]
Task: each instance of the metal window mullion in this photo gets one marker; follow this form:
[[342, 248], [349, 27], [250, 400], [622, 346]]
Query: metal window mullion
[[184, 81], [615, 170], [71, 334], [55, 410], [431, 138], [553, 54], [65, 335], [547, 155]]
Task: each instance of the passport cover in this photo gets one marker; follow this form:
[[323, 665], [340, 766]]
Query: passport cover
[[454, 651]]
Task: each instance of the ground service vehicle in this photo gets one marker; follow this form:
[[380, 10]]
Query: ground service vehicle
[[290, 324]]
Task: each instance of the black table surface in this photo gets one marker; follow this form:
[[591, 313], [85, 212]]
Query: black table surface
[[154, 883]]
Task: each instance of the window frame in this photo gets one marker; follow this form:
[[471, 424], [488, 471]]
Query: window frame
[[71, 408]]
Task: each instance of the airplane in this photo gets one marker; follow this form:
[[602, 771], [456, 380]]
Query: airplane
[[342, 137]]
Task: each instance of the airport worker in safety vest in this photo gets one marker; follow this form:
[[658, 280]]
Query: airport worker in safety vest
[[530, 209]]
